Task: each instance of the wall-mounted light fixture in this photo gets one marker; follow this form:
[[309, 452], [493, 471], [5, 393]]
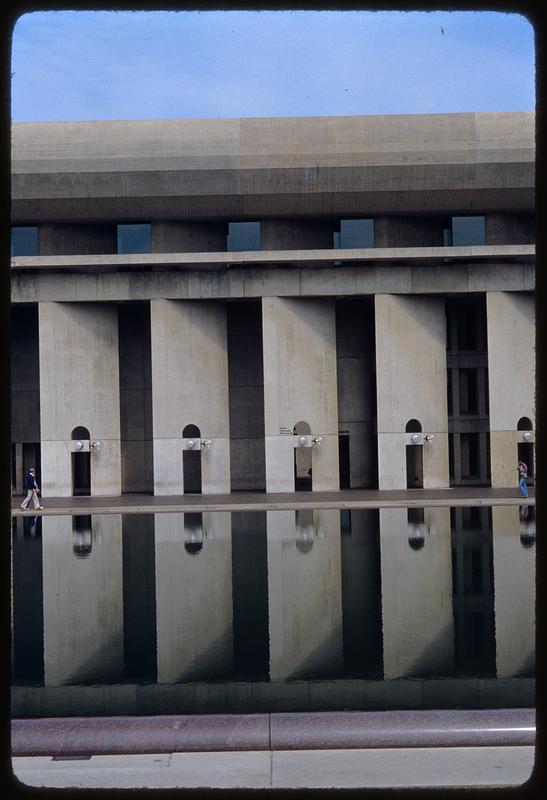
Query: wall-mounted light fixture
[[206, 443], [429, 438], [190, 444], [416, 438], [78, 445], [317, 441], [302, 441], [527, 435], [97, 445]]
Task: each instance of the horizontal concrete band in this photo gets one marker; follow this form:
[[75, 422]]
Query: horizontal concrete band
[[65, 737]]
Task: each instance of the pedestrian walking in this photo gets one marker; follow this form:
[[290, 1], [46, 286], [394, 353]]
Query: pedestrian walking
[[32, 490], [523, 474]]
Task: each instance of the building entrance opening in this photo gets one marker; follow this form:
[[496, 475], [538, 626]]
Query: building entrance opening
[[81, 463], [414, 456], [191, 460], [302, 458], [344, 463]]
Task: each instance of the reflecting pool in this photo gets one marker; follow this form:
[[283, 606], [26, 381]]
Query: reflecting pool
[[278, 610]]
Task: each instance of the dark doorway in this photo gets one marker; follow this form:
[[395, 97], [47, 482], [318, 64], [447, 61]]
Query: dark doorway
[[302, 460], [191, 461], [344, 464], [414, 466], [81, 474], [526, 454]]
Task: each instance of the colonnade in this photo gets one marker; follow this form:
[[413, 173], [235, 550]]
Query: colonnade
[[79, 386]]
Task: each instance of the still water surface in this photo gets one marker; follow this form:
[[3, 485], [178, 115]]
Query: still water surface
[[272, 610]]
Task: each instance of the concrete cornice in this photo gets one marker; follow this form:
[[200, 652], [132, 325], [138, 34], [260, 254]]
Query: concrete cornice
[[278, 258], [251, 168]]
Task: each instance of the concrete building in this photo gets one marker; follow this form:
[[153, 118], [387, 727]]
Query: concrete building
[[273, 304]]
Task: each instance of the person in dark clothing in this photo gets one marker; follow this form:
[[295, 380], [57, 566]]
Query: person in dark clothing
[[32, 490]]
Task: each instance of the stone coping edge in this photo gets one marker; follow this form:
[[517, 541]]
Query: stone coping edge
[[123, 735]]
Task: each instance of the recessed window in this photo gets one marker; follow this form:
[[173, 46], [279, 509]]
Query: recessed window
[[243, 236], [467, 231], [355, 233], [134, 238], [24, 241]]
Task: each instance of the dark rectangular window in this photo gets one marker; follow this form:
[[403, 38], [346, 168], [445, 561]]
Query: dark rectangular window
[[243, 236], [469, 396], [355, 233], [24, 241], [134, 238], [467, 231]]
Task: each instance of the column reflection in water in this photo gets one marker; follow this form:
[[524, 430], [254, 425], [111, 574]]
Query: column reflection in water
[[304, 593], [513, 536], [83, 602], [361, 593], [418, 625], [193, 596], [473, 591], [26, 601]]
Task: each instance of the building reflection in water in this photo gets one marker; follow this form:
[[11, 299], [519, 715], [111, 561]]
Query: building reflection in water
[[193, 557], [513, 567], [274, 596], [304, 594], [417, 618], [82, 600], [472, 567]]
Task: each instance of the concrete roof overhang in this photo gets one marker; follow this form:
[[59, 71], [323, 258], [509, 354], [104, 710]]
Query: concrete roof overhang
[[259, 167]]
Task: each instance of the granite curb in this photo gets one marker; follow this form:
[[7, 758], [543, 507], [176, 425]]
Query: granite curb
[[73, 736]]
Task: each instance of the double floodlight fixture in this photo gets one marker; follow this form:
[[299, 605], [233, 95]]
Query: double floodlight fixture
[[206, 443], [318, 441], [97, 445], [429, 438]]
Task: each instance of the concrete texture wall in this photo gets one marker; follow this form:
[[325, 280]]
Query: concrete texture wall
[[305, 597], [296, 234], [135, 397], [410, 340], [79, 386], [417, 616], [194, 639], [511, 378], [515, 617], [299, 345], [509, 228], [189, 387], [83, 603], [246, 396], [401, 231], [73, 239], [266, 167], [356, 387], [188, 237]]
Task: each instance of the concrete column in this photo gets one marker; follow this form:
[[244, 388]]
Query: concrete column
[[189, 237], [296, 234], [418, 624], [193, 596], [511, 378], [305, 595], [299, 346], [83, 602], [514, 595], [189, 387], [69, 239], [411, 384], [79, 386]]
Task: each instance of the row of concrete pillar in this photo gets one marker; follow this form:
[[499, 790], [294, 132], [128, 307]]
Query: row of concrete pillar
[[79, 386], [313, 579]]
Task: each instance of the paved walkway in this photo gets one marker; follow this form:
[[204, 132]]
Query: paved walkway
[[313, 769], [253, 501]]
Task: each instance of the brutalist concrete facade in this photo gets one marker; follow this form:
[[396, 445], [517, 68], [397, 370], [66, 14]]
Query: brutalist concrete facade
[[399, 358]]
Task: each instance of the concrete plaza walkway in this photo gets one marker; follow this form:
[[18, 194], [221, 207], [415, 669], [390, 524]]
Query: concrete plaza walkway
[[253, 501]]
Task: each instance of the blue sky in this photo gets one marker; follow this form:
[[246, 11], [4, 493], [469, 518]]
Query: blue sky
[[72, 65]]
